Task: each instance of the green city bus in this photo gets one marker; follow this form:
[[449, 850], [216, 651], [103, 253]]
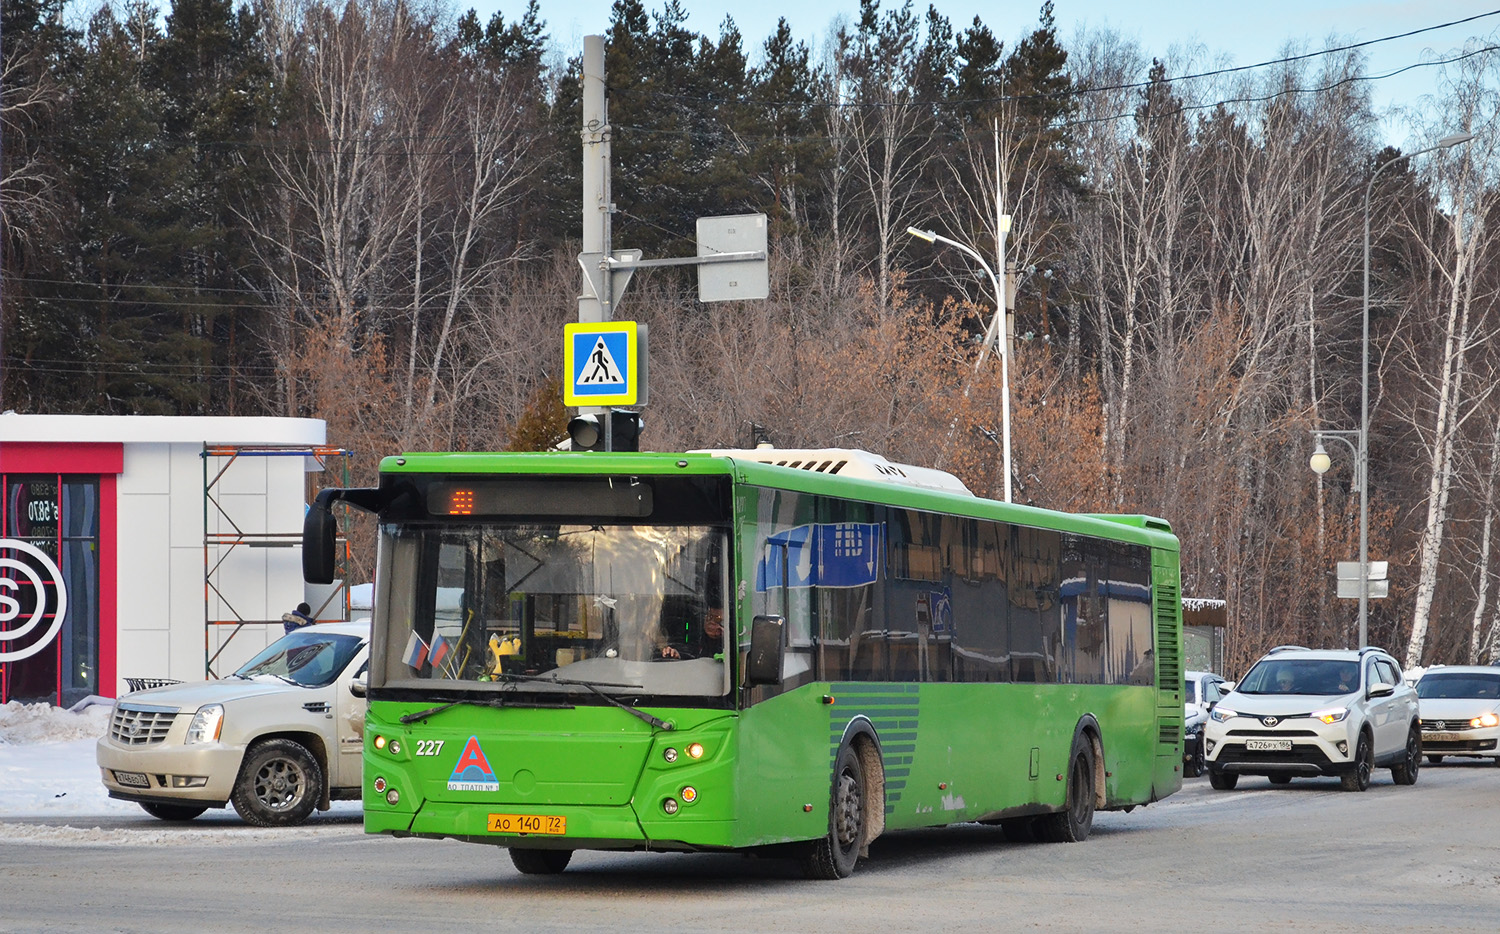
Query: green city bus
[[779, 652]]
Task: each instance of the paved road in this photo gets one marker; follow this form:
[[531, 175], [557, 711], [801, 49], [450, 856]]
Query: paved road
[[1299, 858]]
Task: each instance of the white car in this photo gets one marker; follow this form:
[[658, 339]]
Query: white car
[[1460, 712], [1200, 692], [279, 737], [1301, 712]]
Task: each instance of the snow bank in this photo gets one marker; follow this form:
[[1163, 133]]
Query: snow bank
[[42, 723]]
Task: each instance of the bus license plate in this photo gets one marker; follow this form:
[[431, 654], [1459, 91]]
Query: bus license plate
[[528, 823], [1268, 745], [133, 779]]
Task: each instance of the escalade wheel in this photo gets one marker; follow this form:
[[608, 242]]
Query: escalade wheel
[[172, 811], [280, 783]]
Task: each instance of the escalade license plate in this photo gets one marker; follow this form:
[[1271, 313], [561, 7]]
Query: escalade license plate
[[528, 823], [133, 779], [1441, 738], [1268, 745]]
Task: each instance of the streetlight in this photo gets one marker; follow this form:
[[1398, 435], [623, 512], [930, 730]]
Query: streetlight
[[1362, 452], [995, 332]]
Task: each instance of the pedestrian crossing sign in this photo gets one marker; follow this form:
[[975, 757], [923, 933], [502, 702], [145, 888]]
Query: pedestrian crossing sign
[[602, 360]]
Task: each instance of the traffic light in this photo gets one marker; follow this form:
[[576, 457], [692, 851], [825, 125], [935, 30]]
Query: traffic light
[[587, 434]]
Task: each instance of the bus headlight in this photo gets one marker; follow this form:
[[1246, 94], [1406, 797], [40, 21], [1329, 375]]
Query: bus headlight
[[695, 750], [669, 805]]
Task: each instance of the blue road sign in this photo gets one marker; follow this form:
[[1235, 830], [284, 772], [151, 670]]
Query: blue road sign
[[602, 362]]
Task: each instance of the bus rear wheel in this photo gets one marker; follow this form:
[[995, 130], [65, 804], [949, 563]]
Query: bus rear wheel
[[834, 856], [540, 862], [1073, 823]]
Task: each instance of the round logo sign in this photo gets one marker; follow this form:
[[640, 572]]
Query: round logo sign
[[16, 644]]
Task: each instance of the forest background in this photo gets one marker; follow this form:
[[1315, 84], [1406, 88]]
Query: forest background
[[368, 213]]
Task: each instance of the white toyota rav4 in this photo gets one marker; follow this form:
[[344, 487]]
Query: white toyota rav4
[[1301, 712], [279, 737]]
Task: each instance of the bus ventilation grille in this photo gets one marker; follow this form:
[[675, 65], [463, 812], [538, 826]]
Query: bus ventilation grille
[[1168, 634]]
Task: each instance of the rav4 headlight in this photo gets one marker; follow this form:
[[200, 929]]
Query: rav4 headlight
[[1222, 714], [1331, 715], [207, 723]]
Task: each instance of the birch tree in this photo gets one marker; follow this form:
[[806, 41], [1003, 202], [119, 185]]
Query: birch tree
[[1465, 183]]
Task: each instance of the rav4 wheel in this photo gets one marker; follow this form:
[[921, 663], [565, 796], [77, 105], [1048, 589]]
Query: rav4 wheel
[[1222, 781], [1358, 779], [1405, 771], [280, 783]]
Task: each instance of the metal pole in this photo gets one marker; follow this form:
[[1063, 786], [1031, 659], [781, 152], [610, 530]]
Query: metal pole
[[594, 299], [996, 329]]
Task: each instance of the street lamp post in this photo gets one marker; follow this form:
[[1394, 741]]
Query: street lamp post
[[996, 330], [1320, 461]]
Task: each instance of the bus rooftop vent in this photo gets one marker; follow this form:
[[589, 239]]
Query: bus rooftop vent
[[849, 463]]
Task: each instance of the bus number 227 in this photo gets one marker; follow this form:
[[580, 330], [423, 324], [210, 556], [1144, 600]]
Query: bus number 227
[[429, 747]]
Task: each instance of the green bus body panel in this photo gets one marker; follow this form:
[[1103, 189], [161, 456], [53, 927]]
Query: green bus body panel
[[600, 768], [951, 752]]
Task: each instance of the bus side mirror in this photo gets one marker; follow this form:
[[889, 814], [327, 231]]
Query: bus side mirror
[[767, 650], [319, 531]]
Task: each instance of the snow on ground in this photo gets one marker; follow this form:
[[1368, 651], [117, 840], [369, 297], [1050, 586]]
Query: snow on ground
[[47, 762], [47, 772]]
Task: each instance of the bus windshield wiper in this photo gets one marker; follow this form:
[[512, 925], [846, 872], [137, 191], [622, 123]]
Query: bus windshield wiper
[[474, 702], [657, 722]]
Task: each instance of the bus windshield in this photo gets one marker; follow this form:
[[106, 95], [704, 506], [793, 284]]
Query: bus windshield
[[552, 608]]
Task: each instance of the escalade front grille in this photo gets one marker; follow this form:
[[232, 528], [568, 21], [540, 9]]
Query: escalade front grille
[[140, 725]]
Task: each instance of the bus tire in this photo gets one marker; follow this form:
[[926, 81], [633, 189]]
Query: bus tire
[[540, 862], [1019, 829], [834, 856], [1073, 823]]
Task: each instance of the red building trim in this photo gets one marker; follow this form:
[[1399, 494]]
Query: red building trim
[[62, 457], [109, 586]]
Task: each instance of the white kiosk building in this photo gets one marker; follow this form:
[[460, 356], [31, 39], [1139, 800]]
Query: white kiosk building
[[145, 547]]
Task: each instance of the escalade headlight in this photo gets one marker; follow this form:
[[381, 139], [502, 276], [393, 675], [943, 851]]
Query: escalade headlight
[[1331, 715], [207, 723], [1222, 714]]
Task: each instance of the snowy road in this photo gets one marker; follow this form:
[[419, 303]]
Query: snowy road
[[1303, 857]]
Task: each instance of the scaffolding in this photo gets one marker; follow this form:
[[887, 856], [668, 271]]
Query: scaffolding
[[219, 545]]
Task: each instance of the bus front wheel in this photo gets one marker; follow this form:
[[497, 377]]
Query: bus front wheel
[[540, 862], [834, 856]]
